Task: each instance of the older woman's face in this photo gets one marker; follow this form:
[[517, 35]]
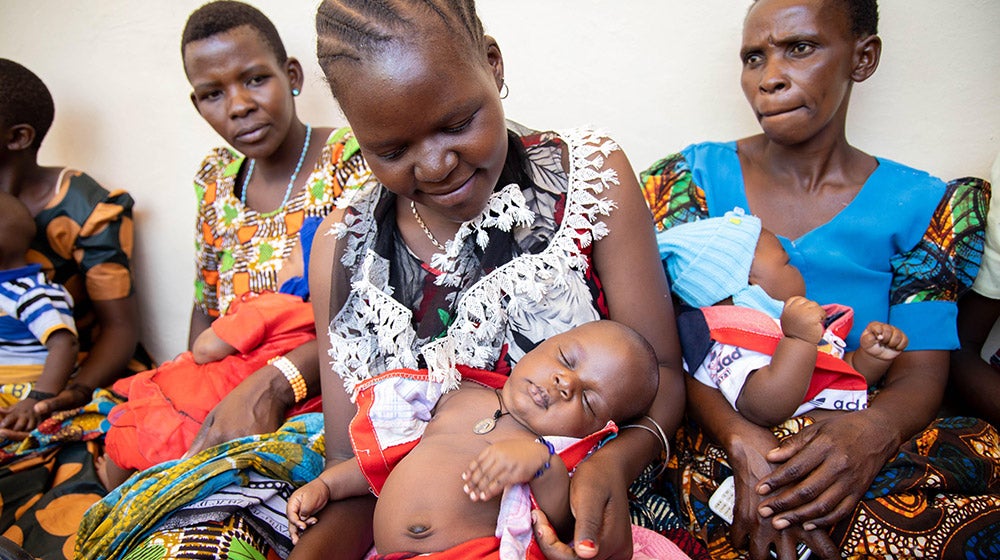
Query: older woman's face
[[797, 61]]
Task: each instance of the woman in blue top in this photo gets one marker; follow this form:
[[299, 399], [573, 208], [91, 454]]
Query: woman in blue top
[[892, 242]]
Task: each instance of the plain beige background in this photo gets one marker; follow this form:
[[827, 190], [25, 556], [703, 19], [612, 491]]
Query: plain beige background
[[656, 74]]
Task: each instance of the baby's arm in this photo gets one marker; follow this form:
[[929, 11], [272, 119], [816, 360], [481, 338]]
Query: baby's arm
[[772, 393], [513, 461], [63, 347], [338, 482], [880, 344], [209, 347]]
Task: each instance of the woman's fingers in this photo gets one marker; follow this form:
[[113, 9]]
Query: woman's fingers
[[548, 541]]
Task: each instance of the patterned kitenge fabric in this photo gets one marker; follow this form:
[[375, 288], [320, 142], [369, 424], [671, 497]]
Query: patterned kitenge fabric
[[939, 497], [913, 245], [126, 517], [52, 482], [84, 242], [239, 250]]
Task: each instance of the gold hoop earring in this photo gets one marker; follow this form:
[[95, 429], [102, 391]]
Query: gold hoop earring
[[504, 90]]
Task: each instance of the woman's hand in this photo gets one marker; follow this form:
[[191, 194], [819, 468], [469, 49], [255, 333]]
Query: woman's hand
[[256, 406], [599, 501], [748, 459], [825, 470]]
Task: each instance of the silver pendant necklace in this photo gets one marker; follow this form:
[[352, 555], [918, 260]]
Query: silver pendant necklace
[[486, 425]]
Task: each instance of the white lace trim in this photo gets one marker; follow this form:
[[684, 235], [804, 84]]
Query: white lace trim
[[373, 332]]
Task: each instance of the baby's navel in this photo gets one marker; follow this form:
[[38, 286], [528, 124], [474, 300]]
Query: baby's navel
[[419, 531]]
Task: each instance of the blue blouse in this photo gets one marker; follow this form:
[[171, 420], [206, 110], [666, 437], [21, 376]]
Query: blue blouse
[[898, 253]]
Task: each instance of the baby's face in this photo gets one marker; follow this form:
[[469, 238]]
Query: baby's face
[[574, 383], [772, 271]]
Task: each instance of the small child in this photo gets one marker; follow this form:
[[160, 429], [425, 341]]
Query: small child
[[166, 406], [768, 369], [38, 340], [442, 491]]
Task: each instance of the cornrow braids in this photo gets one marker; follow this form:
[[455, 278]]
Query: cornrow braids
[[356, 30], [221, 16], [24, 99]]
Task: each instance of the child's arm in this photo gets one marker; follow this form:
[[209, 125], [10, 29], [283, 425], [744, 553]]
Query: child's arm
[[772, 393], [514, 461], [338, 482], [208, 347], [880, 344], [63, 347]]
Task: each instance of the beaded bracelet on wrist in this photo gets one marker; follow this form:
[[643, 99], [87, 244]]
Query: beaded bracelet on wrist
[[293, 375], [548, 462]]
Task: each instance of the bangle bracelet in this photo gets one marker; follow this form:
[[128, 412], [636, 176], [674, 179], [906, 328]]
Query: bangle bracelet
[[39, 395], [663, 436], [656, 434], [548, 462], [293, 375]]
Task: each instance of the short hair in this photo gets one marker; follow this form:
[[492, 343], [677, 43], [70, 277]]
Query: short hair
[[24, 99], [17, 227], [356, 30], [221, 16], [862, 15]]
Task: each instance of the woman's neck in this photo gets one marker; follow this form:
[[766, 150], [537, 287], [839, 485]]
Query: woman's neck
[[809, 166], [276, 168]]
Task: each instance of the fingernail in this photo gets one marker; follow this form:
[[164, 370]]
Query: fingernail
[[588, 543], [809, 527], [766, 511], [780, 524], [482, 496], [465, 488], [764, 489]]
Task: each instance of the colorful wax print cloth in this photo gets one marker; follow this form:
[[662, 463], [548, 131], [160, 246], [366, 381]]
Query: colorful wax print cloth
[[939, 497], [901, 252], [240, 250], [171, 493], [48, 480], [84, 242]]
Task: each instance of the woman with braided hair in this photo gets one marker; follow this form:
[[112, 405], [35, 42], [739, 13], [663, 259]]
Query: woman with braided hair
[[476, 240]]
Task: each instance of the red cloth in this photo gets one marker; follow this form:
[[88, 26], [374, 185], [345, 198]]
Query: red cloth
[[755, 330], [167, 405]]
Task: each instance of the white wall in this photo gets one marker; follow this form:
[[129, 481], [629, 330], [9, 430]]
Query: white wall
[[657, 74]]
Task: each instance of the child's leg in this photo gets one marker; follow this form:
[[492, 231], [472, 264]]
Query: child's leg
[[111, 475], [348, 523]]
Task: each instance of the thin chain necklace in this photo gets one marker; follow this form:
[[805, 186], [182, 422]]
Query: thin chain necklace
[[486, 425], [291, 181], [427, 232]]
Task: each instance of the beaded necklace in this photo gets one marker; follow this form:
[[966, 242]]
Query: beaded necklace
[[291, 181]]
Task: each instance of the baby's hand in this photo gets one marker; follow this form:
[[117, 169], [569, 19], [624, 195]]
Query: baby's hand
[[883, 341], [303, 505], [20, 417], [803, 319], [503, 464]]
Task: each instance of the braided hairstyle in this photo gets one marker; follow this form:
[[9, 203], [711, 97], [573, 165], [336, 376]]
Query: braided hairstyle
[[24, 99], [221, 16], [359, 30]]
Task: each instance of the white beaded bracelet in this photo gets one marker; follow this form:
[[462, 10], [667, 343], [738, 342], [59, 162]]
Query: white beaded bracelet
[[293, 375]]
